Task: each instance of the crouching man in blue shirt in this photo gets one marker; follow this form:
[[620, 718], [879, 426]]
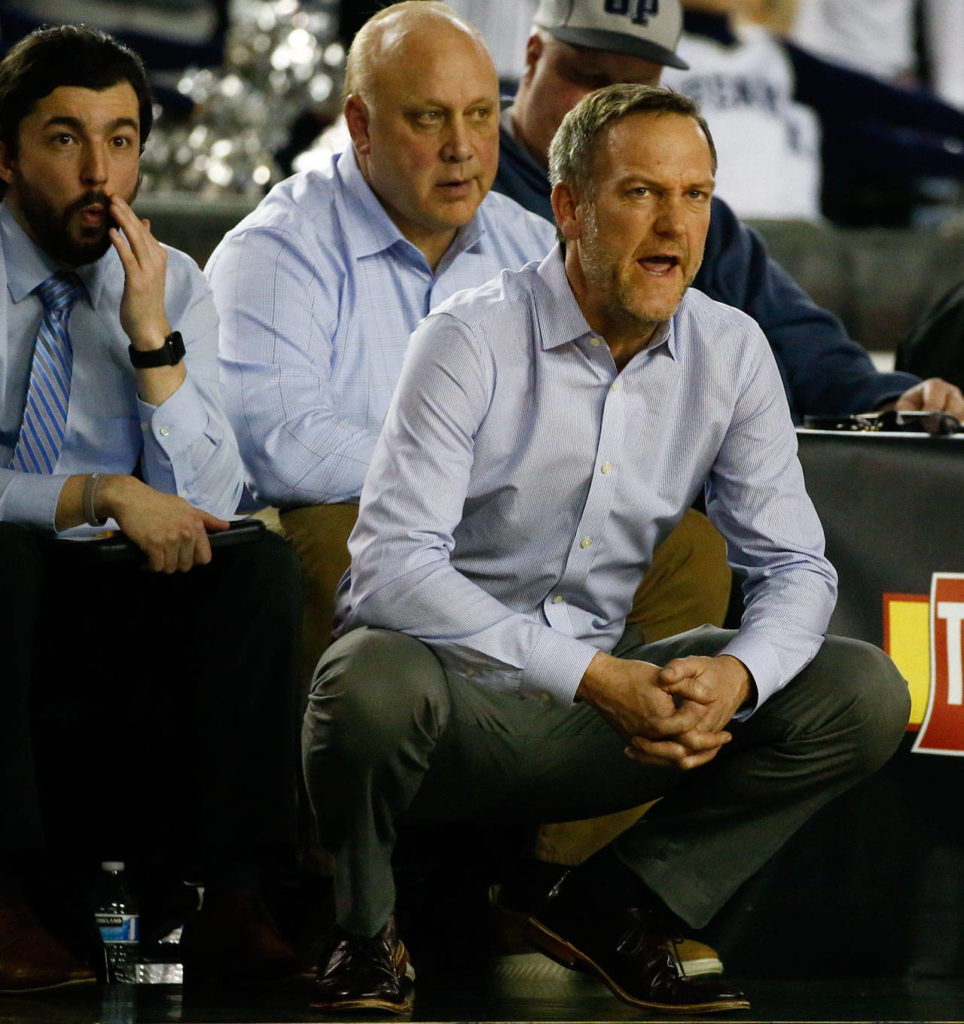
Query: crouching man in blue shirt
[[550, 428]]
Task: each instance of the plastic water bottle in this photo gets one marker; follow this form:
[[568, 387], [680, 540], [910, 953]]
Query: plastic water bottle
[[118, 921]]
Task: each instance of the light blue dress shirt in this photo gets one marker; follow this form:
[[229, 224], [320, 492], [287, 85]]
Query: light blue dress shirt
[[318, 292], [521, 483], [185, 445]]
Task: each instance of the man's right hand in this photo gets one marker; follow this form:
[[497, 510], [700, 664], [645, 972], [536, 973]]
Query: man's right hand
[[628, 695], [172, 533]]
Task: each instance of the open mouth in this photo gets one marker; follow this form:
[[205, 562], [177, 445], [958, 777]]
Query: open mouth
[[660, 265], [93, 216]]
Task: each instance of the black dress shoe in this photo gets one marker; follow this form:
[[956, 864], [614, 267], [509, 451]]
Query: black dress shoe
[[627, 951], [367, 974]]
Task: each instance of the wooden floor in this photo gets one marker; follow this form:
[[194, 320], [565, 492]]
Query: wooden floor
[[509, 990]]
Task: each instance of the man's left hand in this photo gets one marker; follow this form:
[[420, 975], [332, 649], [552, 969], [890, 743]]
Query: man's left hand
[[145, 272], [933, 394]]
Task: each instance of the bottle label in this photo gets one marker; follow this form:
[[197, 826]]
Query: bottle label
[[118, 927]]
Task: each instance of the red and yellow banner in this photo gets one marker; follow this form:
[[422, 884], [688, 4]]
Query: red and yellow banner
[[924, 634]]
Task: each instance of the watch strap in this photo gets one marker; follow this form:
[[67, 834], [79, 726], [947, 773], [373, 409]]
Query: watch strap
[[169, 354]]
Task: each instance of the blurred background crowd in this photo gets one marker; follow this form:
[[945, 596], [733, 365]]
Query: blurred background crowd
[[850, 111]]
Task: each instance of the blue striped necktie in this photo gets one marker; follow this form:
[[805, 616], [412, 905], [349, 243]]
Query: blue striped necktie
[[45, 411]]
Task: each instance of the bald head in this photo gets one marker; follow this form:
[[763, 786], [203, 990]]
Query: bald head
[[385, 35], [422, 107]]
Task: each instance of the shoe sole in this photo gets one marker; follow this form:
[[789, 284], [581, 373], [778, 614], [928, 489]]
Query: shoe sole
[[47, 988], [364, 1004], [558, 949]]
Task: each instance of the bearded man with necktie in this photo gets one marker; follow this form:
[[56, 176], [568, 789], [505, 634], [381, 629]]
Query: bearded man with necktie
[[111, 418]]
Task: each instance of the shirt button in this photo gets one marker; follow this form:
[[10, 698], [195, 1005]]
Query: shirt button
[[585, 542], [594, 341], [164, 431], [605, 467], [615, 386], [558, 599]]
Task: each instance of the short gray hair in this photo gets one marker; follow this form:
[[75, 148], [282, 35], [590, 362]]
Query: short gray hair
[[572, 154]]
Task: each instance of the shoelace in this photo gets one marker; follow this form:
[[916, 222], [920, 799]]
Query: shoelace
[[638, 940]]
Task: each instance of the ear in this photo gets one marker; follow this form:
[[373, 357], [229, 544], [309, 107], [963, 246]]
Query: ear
[[7, 165], [567, 210], [534, 48], [357, 117]]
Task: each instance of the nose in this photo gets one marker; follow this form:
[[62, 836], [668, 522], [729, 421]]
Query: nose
[[669, 216], [457, 146], [94, 168]]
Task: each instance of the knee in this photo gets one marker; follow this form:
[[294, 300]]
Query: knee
[[22, 559], [872, 702], [261, 580], [22, 583], [372, 690], [271, 567]]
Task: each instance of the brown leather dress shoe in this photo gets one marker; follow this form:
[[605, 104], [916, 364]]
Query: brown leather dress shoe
[[367, 974], [627, 952], [236, 939], [511, 925], [31, 959]]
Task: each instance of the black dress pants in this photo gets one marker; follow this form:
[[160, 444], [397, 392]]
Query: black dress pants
[[137, 707]]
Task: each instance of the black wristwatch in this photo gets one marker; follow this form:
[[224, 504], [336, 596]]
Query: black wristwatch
[[170, 354]]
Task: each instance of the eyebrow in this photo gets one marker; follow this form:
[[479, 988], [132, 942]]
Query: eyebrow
[[426, 101], [642, 179], [78, 125]]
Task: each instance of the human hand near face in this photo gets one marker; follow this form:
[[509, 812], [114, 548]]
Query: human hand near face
[[145, 268], [170, 531], [933, 394]]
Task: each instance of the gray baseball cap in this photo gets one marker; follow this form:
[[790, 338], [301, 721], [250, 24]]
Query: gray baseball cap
[[641, 28]]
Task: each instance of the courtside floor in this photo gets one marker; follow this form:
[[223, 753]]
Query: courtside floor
[[510, 991]]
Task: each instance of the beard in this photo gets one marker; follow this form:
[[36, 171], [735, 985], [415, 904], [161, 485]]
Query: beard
[[610, 275], [57, 232]]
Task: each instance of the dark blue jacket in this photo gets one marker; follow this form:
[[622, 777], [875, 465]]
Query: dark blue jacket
[[824, 371]]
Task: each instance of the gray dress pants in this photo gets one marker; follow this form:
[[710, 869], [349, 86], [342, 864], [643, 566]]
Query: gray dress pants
[[387, 736]]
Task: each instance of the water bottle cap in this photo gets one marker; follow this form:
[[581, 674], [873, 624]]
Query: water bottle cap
[[112, 865]]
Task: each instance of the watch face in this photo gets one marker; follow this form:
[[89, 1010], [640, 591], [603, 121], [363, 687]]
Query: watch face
[[174, 346]]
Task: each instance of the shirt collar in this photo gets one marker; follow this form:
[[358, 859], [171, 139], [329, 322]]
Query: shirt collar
[[563, 321], [29, 266], [371, 230]]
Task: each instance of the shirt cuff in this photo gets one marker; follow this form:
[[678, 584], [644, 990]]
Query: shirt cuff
[[177, 422], [556, 666], [30, 499], [762, 664]]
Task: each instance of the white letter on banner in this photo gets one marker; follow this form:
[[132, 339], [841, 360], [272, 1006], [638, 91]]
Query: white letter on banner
[[953, 613]]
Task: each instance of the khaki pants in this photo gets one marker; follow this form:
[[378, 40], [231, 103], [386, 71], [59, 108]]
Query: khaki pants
[[688, 584]]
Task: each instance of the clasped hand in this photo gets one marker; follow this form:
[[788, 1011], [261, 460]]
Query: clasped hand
[[671, 716]]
